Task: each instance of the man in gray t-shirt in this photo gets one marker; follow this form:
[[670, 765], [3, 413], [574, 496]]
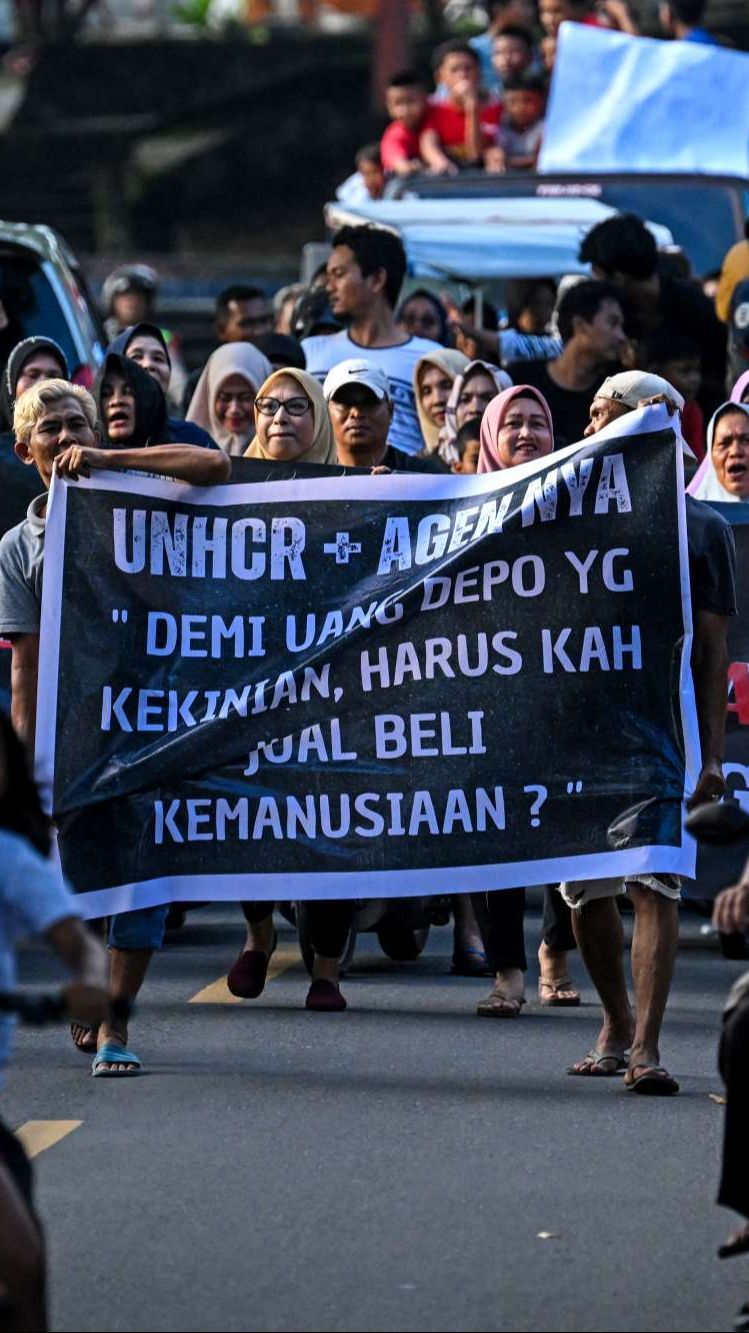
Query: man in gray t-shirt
[[55, 428], [21, 554]]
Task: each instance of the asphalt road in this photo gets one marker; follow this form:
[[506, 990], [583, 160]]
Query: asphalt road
[[394, 1167]]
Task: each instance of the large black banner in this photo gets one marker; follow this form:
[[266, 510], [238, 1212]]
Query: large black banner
[[362, 685]]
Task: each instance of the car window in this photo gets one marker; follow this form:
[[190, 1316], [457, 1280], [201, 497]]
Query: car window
[[28, 305]]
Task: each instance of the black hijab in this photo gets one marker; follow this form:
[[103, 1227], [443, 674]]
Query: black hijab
[[15, 364], [150, 403], [123, 340]]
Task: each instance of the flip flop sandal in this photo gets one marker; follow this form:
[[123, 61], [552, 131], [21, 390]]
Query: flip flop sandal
[[553, 999], [592, 1066], [654, 1081], [115, 1055], [499, 1006]]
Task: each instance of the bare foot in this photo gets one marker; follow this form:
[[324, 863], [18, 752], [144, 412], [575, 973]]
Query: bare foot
[[84, 1037]]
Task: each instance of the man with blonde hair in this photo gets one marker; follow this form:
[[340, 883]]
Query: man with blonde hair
[[55, 429]]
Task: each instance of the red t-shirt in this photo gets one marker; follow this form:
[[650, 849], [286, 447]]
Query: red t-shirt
[[401, 145], [450, 123]]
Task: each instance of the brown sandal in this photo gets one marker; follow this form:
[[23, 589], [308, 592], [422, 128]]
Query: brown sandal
[[500, 1006], [555, 998]]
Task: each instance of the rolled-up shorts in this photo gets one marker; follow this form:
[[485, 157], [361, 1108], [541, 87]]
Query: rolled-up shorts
[[578, 892], [142, 929]]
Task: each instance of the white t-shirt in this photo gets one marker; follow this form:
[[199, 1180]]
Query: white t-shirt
[[398, 363], [33, 897]]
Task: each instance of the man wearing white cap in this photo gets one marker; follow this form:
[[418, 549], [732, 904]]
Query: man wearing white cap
[[626, 392], [361, 409], [628, 1042]]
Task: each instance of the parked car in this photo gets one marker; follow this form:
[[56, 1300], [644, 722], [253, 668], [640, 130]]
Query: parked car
[[42, 290]]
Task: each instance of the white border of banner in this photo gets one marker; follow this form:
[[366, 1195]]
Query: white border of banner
[[380, 883]]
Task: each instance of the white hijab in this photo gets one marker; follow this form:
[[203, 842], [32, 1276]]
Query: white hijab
[[230, 359], [705, 484]]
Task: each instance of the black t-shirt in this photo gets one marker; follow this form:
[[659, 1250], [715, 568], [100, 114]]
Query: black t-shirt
[[570, 408], [712, 559], [398, 461]]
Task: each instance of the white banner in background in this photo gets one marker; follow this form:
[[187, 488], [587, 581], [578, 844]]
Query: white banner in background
[[646, 105]]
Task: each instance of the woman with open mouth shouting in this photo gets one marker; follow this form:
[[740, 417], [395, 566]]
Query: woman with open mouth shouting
[[724, 475]]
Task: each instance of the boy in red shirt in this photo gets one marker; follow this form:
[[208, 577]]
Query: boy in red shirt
[[463, 125], [408, 107]]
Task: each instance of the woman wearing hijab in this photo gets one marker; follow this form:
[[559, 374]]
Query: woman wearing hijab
[[146, 345], [473, 389], [517, 428], [131, 405], [292, 420], [132, 412], [293, 426], [724, 473], [32, 360], [434, 376], [225, 393]]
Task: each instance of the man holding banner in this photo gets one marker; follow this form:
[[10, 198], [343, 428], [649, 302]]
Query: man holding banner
[[55, 429], [625, 1044]]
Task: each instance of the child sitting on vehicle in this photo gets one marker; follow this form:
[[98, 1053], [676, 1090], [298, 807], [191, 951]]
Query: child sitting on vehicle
[[512, 55], [462, 125], [408, 107], [519, 135], [367, 181]]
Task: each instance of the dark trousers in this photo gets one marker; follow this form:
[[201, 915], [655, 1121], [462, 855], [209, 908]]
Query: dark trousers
[[500, 917], [734, 1068], [329, 923]]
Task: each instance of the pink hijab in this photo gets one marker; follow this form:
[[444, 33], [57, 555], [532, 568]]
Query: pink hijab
[[494, 419], [740, 387]]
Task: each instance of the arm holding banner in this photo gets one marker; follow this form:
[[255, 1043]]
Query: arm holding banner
[[709, 672], [182, 462]]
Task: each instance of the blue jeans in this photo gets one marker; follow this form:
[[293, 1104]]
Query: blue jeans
[[142, 929]]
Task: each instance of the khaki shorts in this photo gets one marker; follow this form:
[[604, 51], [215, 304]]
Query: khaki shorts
[[578, 892]]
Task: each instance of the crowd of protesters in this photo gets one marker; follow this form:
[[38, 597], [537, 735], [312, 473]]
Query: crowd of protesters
[[348, 374], [345, 372]]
